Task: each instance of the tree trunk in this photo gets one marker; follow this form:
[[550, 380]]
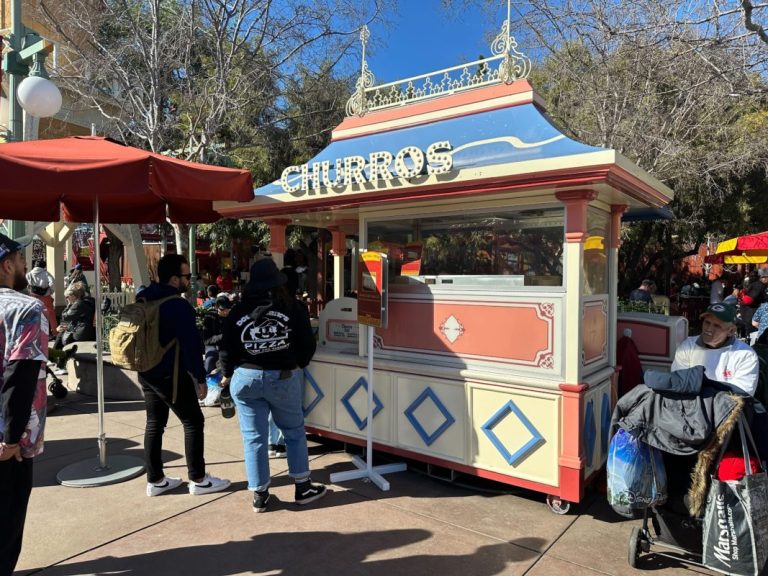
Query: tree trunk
[[181, 231]]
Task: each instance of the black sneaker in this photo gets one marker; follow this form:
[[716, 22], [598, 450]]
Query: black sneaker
[[277, 451], [307, 492], [260, 501]]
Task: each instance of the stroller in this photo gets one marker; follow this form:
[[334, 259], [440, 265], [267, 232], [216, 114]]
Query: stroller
[[669, 530]]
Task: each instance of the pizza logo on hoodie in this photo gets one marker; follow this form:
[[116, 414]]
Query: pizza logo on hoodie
[[267, 334]]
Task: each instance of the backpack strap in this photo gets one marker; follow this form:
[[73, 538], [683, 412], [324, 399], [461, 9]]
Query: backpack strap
[[175, 370], [177, 354]]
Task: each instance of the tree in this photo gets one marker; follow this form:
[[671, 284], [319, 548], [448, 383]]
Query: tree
[[679, 88], [197, 78]]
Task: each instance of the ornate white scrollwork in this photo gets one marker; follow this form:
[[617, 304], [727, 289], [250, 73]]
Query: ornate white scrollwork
[[512, 65], [357, 105], [515, 64]]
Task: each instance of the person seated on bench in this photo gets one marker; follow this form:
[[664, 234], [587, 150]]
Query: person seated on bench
[[76, 321]]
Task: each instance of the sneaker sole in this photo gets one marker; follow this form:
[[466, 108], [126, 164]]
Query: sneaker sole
[[211, 490], [311, 499], [163, 490]]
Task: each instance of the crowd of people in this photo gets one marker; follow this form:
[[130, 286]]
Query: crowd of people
[[259, 342], [747, 293]]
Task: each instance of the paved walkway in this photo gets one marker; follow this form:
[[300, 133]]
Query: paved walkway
[[421, 526]]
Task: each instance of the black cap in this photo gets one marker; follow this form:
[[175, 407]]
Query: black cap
[[223, 301], [8, 246]]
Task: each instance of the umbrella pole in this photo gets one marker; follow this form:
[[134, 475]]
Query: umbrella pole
[[99, 337], [94, 471]]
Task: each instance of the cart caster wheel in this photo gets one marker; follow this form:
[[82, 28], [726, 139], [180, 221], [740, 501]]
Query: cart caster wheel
[[557, 505], [636, 542]]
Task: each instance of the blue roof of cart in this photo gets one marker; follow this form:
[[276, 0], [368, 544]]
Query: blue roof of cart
[[479, 131]]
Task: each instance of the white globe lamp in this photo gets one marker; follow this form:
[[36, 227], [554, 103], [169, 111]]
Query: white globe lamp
[[39, 97]]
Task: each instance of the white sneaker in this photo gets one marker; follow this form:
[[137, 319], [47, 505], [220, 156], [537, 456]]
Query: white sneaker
[[167, 483], [212, 399], [60, 372], [208, 485]]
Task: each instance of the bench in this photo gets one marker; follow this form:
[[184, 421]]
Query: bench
[[119, 384]]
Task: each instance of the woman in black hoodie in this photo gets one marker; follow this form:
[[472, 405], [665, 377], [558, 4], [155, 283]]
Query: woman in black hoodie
[[267, 341]]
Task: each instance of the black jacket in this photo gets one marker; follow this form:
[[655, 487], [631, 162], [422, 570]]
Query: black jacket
[[78, 319], [273, 336], [213, 327], [177, 320], [679, 416], [754, 294]]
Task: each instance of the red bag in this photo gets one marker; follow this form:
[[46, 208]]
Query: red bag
[[732, 466]]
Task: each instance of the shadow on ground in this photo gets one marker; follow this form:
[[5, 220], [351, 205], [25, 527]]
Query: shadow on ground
[[299, 554]]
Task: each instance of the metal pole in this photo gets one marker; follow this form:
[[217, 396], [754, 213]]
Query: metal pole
[[369, 427], [192, 250], [99, 338], [15, 130]]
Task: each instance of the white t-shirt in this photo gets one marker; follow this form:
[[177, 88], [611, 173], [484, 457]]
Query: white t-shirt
[[735, 364]]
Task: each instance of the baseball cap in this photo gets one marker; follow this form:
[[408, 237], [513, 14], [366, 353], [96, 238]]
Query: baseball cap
[[763, 272], [223, 301], [722, 311], [8, 246]]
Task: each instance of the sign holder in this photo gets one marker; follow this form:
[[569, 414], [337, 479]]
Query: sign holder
[[372, 312]]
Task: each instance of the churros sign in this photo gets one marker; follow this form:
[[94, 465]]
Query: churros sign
[[411, 161]]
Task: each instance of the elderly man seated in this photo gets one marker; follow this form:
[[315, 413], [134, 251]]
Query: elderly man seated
[[725, 358]]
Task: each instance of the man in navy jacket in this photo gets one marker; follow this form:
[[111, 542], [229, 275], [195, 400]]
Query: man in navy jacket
[[163, 392]]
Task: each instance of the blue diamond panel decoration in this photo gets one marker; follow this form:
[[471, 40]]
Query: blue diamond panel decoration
[[318, 393], [534, 442], [410, 414], [605, 423], [361, 423], [590, 432]]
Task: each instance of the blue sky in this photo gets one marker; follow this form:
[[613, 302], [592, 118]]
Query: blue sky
[[424, 37]]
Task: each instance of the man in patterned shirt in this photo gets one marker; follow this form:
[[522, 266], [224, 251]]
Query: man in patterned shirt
[[24, 344]]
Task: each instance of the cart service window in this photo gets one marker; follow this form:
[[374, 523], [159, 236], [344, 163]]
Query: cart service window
[[489, 251]]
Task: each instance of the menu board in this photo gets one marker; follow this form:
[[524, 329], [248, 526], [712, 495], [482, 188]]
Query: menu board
[[372, 282]]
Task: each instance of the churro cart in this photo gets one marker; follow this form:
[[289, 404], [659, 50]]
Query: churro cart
[[502, 235]]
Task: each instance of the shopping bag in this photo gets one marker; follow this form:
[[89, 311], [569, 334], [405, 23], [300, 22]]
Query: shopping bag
[[636, 475], [213, 397], [736, 519]]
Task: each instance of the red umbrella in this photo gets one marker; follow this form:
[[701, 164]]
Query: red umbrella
[[749, 245], [83, 179], [52, 180]]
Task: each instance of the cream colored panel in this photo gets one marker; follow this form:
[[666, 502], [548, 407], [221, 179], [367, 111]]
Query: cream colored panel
[[351, 408], [524, 428], [318, 406], [431, 417]]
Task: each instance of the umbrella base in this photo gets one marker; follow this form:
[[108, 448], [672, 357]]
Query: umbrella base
[[88, 473]]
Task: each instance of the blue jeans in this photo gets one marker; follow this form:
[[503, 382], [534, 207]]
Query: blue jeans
[[256, 393], [275, 434]]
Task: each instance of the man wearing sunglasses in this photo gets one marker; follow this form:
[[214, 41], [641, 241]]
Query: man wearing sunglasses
[[177, 383]]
